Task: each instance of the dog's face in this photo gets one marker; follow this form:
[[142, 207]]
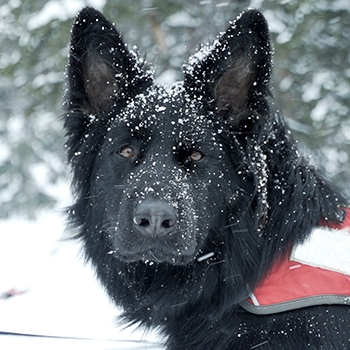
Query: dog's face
[[163, 176], [159, 171]]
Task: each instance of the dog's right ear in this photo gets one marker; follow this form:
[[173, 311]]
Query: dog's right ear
[[232, 76], [100, 68]]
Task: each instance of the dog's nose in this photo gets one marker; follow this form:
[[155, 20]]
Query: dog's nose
[[154, 218]]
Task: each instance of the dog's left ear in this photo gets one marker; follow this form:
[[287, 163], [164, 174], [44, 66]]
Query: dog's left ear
[[101, 69], [232, 76]]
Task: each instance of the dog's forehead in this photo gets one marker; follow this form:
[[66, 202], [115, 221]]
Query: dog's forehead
[[161, 109]]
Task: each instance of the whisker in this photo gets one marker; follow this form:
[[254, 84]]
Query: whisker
[[177, 305], [241, 231], [110, 227], [260, 344], [214, 263], [230, 277], [155, 258]]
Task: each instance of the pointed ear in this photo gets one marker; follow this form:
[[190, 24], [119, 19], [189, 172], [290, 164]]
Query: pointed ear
[[100, 67], [232, 77]]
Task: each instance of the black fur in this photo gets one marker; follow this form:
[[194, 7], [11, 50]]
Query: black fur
[[164, 177]]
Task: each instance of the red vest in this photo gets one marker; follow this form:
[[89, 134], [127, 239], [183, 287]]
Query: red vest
[[317, 272]]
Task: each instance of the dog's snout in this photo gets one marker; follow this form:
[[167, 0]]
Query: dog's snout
[[154, 218]]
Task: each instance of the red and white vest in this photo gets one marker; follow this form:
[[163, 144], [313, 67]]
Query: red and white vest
[[317, 272]]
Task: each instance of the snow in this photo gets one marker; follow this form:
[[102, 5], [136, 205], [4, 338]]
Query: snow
[[182, 19], [62, 10], [61, 295]]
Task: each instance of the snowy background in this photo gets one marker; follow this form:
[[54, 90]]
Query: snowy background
[[58, 293]]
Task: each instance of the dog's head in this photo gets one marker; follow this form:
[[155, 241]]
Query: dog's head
[[158, 172]]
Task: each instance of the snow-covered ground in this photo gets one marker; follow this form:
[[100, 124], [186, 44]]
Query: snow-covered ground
[[61, 296]]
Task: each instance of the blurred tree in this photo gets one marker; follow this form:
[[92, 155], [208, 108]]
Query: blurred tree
[[31, 63], [312, 77]]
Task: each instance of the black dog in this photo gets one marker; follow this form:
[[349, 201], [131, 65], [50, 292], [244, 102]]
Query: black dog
[[189, 198]]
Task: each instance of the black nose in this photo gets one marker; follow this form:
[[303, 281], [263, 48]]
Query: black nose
[[154, 218]]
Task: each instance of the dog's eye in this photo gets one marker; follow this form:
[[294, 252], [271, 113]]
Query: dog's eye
[[126, 152], [196, 156]]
